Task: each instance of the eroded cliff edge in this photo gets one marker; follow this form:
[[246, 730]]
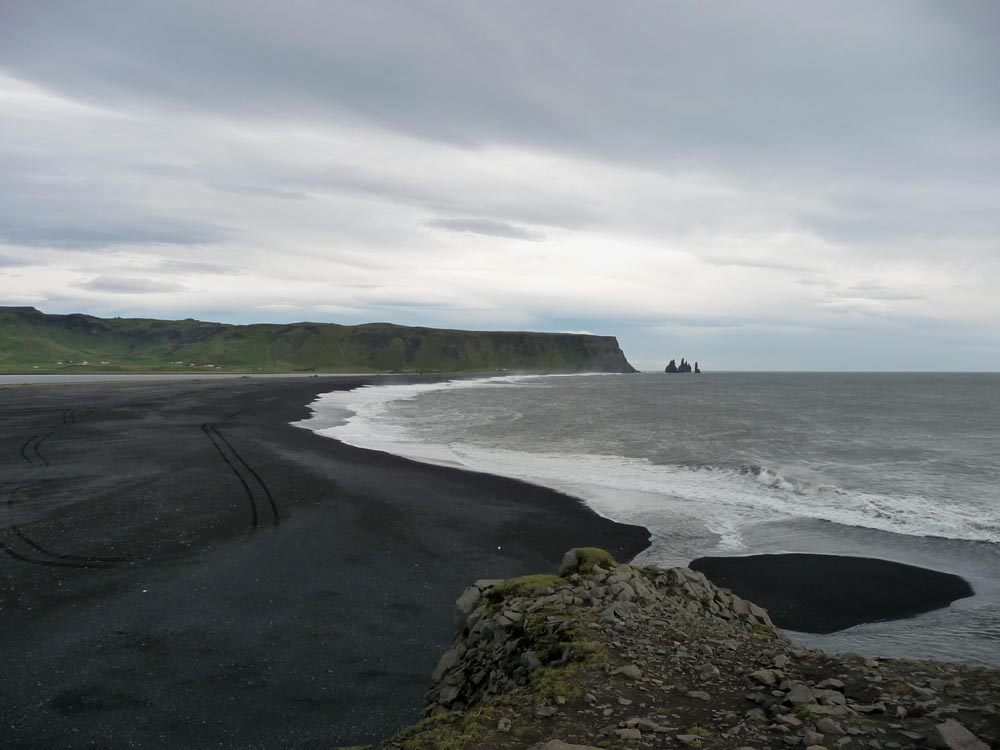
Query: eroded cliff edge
[[608, 656]]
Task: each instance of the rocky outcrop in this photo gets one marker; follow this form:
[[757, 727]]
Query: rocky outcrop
[[508, 629], [619, 656], [684, 367]]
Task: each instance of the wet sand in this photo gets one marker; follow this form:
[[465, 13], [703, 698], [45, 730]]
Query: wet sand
[[825, 593], [180, 567]]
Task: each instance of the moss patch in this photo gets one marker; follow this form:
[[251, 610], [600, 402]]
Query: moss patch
[[549, 683], [450, 731], [591, 556], [523, 586]]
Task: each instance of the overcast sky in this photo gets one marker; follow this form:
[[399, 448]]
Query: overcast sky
[[756, 185]]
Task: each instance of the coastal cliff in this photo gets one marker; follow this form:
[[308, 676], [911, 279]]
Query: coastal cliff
[[32, 341], [607, 655]]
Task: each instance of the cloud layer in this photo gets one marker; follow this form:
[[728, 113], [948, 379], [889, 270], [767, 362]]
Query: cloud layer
[[765, 185]]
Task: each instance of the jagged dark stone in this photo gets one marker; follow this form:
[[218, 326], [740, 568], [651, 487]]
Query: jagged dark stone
[[684, 366]]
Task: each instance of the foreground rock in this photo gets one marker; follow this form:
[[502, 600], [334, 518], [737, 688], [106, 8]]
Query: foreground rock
[[617, 656]]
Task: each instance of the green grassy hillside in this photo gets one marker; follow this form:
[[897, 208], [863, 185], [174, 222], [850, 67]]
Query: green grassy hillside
[[31, 341]]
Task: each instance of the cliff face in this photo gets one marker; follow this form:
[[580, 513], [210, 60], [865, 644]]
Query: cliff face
[[31, 341], [617, 656]]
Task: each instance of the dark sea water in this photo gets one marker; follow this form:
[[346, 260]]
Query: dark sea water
[[903, 467]]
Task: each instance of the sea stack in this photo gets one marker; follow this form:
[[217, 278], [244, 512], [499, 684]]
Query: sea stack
[[684, 366]]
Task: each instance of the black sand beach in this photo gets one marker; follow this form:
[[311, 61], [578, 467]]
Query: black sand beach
[[826, 593], [182, 568]]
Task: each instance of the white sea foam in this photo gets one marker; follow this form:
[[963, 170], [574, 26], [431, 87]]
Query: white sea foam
[[670, 500]]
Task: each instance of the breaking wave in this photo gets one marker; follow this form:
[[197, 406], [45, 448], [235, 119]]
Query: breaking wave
[[724, 499]]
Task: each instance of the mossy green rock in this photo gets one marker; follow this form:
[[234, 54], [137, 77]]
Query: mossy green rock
[[583, 560], [625, 656]]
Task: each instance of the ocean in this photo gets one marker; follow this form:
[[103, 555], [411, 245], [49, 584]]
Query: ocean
[[903, 467]]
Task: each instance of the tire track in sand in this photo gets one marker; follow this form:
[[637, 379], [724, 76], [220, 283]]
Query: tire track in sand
[[31, 449], [256, 489], [31, 453]]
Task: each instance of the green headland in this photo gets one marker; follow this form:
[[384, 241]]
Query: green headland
[[34, 342]]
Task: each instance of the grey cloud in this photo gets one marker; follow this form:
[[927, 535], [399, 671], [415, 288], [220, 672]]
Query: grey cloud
[[487, 227], [876, 212], [7, 261], [794, 97], [262, 190], [43, 206], [82, 234], [197, 267], [128, 285], [873, 291], [532, 209], [698, 325], [761, 263], [401, 303], [809, 83]]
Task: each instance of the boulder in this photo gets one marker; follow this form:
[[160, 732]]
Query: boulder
[[799, 693], [765, 676], [569, 563], [811, 738], [707, 671], [629, 670], [448, 660], [465, 604], [950, 734], [830, 682], [827, 725]]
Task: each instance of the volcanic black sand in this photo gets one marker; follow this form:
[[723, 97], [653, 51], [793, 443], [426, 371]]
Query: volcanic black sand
[[182, 568], [826, 593]]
